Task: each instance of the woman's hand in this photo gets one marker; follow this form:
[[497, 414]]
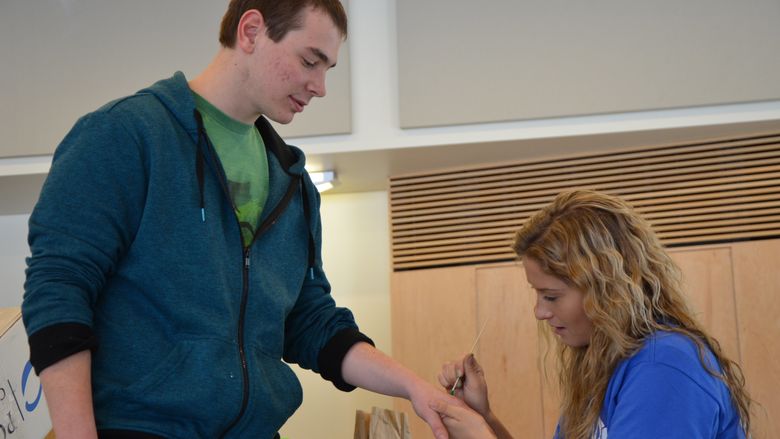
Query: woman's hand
[[462, 422], [472, 387]]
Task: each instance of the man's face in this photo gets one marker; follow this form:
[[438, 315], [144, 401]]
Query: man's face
[[284, 76]]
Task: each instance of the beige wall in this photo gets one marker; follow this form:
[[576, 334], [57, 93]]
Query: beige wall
[[94, 51], [525, 60], [356, 255]]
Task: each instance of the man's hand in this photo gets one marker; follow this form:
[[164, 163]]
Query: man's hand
[[423, 396], [462, 422], [366, 367]]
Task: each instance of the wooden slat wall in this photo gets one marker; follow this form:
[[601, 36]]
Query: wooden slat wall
[[693, 193]]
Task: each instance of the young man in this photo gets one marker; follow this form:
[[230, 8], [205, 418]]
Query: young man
[[176, 250]]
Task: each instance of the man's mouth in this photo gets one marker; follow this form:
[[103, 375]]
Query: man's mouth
[[297, 104]]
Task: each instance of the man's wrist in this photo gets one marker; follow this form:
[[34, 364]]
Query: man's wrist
[[411, 383]]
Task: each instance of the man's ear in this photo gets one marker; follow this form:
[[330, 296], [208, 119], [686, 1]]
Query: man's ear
[[251, 26]]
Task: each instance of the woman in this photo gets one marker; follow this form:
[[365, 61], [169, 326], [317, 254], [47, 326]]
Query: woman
[[634, 362]]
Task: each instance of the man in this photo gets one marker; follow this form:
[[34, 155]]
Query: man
[[176, 250]]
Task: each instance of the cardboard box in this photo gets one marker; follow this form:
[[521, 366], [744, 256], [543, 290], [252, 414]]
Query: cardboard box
[[23, 410]]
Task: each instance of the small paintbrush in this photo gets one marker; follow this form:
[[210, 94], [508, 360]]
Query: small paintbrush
[[457, 380]]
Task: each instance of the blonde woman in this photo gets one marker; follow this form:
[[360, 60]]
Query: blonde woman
[[634, 362]]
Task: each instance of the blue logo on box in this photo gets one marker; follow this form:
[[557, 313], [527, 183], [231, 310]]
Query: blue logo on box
[[30, 406]]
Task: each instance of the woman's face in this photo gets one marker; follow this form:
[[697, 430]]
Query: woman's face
[[560, 305]]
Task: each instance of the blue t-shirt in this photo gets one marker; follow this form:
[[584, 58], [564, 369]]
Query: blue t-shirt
[[664, 391]]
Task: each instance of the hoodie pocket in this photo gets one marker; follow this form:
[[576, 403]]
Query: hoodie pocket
[[198, 381]]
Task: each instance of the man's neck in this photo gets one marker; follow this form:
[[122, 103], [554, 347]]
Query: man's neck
[[219, 84]]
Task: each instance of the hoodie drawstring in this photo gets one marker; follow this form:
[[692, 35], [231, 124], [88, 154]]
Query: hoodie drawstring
[[199, 172], [306, 213], [199, 163]]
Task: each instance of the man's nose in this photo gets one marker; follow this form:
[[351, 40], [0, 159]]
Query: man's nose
[[317, 85]]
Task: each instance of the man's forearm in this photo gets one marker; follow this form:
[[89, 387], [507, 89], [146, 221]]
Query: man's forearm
[[366, 367], [68, 389]]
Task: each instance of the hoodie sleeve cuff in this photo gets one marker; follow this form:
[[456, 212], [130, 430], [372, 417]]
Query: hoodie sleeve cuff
[[56, 342], [332, 356]]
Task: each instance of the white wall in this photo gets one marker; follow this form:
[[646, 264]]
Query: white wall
[[555, 58], [356, 254], [13, 235]]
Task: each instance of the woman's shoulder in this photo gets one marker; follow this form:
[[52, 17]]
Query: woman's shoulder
[[670, 347], [664, 378], [677, 353]]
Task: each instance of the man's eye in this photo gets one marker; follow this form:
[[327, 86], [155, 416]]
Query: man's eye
[[550, 298], [308, 63]]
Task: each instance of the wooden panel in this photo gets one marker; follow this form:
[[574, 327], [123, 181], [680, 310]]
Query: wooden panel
[[8, 316], [694, 193], [458, 261], [596, 160], [672, 174], [633, 186], [757, 288], [433, 318], [709, 285], [507, 350]]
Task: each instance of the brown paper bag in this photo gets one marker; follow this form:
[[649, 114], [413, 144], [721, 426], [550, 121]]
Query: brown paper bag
[[381, 424], [389, 424], [362, 424]]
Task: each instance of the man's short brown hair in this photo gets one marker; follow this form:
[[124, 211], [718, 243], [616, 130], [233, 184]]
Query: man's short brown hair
[[280, 16]]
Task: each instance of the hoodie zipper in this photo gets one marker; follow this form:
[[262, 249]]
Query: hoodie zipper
[[244, 287], [269, 221], [241, 351]]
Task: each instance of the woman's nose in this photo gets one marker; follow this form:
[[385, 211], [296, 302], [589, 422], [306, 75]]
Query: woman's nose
[[541, 312]]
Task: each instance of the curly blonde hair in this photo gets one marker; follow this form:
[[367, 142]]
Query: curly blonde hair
[[598, 244]]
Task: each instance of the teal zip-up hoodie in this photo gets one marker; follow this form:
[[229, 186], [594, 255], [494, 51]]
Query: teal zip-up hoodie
[[137, 255]]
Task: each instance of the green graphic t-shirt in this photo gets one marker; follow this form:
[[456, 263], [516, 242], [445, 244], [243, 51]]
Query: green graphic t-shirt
[[242, 153]]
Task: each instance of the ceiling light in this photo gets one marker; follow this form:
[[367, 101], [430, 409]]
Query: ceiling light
[[323, 180]]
